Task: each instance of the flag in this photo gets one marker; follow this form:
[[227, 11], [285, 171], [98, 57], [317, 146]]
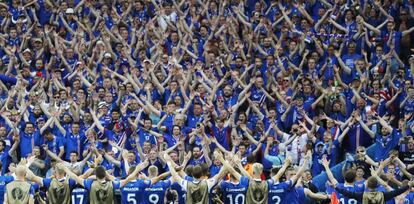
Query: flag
[[334, 199]]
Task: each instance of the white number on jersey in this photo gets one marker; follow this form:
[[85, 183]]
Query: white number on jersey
[[236, 199]]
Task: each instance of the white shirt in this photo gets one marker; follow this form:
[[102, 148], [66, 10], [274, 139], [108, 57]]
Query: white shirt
[[295, 149]]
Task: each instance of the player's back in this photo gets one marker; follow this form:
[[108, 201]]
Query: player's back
[[131, 193], [235, 193], [409, 198], [345, 200], [4, 180], [278, 191], [295, 195], [80, 196], [155, 193]]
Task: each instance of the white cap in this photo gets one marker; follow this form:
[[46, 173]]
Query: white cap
[[107, 55], [70, 11], [102, 104], [27, 50], [100, 42], [37, 39]]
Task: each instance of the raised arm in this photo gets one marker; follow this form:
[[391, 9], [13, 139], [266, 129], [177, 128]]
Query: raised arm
[[331, 178], [72, 175], [365, 127], [282, 170], [133, 175]]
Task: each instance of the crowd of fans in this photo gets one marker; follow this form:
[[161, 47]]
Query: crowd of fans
[[202, 88]]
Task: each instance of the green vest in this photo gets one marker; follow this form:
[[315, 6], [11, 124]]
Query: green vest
[[257, 192], [373, 198], [101, 193], [197, 193], [59, 192], [18, 192]]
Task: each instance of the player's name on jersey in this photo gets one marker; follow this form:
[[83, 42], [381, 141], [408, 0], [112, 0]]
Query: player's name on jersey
[[78, 190], [235, 189], [130, 189], [154, 189], [277, 191]]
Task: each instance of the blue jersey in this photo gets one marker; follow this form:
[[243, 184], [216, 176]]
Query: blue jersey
[[180, 191], [409, 198], [156, 192], [344, 200], [235, 193], [277, 191], [4, 180], [383, 189], [80, 196], [295, 196], [130, 193], [359, 186]]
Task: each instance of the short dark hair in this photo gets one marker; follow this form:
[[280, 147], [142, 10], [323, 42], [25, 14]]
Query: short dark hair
[[350, 176], [74, 152], [197, 172], [100, 172], [205, 168], [372, 183], [47, 132]]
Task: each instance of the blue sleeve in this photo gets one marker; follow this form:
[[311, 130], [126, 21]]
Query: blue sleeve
[[72, 183], [9, 179], [396, 135], [60, 142], [223, 185], [32, 190], [289, 183], [46, 182], [88, 184], [116, 184], [245, 181], [108, 134], [7, 79]]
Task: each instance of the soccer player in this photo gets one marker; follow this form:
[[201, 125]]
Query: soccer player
[[198, 189], [372, 195], [297, 194], [130, 192], [234, 191], [79, 195], [277, 189], [155, 192], [58, 188], [4, 180], [349, 184], [100, 190], [19, 190]]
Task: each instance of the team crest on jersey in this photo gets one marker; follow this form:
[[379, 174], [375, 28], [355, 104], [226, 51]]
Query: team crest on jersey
[[60, 191], [101, 194], [197, 196], [258, 194], [17, 193]]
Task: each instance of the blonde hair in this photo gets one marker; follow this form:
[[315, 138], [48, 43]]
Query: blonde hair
[[257, 168], [152, 171], [21, 170]]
